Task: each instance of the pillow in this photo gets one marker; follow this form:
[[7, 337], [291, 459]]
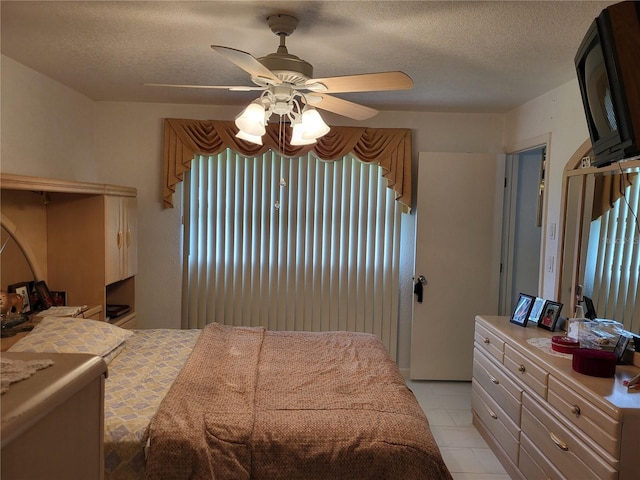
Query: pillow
[[73, 335]]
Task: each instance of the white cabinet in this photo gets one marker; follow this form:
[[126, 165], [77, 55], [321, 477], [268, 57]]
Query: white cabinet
[[120, 238], [544, 420]]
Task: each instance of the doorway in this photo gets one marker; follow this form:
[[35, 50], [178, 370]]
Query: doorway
[[522, 226]]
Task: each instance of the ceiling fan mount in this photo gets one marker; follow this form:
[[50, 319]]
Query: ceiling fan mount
[[282, 24], [281, 76], [287, 67]]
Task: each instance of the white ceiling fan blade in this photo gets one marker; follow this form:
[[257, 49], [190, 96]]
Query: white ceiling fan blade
[[233, 88], [247, 62], [341, 107], [366, 82]]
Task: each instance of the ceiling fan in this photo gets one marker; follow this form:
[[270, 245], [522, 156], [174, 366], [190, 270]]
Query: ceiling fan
[[286, 80]]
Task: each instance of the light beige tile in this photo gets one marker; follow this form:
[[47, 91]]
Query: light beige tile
[[451, 388], [444, 402], [479, 476], [448, 408], [488, 461], [471, 460], [458, 459], [440, 417], [457, 437], [461, 418]]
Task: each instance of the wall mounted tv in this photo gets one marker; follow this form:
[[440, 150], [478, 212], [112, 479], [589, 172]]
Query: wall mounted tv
[[608, 68]]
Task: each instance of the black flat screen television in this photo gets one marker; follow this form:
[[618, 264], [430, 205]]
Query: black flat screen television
[[608, 69]]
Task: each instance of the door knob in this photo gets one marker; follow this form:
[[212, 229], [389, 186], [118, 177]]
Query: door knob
[[417, 289]]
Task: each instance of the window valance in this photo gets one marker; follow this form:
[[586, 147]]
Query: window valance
[[608, 189], [390, 147]]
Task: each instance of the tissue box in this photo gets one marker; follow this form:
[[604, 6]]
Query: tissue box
[[597, 334]]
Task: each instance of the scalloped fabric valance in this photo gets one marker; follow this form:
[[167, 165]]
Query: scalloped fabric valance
[[390, 147]]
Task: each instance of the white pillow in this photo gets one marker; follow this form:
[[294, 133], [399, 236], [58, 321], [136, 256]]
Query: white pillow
[[72, 335]]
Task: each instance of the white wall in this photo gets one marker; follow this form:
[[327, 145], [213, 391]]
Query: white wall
[[48, 130], [121, 143]]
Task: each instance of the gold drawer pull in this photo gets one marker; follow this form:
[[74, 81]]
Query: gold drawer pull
[[521, 368], [487, 341], [575, 410], [494, 380], [492, 413], [559, 443]]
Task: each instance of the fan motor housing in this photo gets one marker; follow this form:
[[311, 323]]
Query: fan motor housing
[[288, 67]]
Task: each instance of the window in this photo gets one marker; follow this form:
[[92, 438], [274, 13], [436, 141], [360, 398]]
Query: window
[[291, 244]]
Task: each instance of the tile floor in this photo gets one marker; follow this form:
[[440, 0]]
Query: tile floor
[[448, 408]]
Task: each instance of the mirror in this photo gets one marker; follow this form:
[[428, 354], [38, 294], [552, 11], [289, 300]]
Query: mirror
[[16, 272], [15, 264], [601, 244]]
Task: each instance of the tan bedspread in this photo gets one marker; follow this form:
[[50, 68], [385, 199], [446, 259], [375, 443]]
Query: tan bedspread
[[256, 404]]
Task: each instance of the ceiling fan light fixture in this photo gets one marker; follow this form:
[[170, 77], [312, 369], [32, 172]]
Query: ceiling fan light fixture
[[252, 119], [313, 126], [257, 139], [297, 138]]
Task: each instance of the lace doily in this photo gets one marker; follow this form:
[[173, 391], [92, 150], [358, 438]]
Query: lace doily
[[544, 344], [12, 371]]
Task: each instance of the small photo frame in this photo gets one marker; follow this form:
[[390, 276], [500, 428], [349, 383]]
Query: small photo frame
[[24, 290], [536, 310], [589, 309], [59, 298], [521, 313], [550, 315], [621, 346], [44, 294]]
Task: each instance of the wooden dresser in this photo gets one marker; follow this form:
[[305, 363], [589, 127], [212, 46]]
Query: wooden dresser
[[544, 420], [53, 422]]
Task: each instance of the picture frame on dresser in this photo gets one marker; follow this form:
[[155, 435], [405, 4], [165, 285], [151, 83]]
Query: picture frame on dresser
[[44, 294], [536, 310], [24, 290], [621, 346], [59, 298], [550, 315], [520, 314]]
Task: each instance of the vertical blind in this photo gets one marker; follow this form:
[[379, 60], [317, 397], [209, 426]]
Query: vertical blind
[[614, 259], [291, 244]]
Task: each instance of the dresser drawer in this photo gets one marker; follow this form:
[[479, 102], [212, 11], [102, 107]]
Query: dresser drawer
[[533, 464], [573, 458], [489, 343], [525, 370], [596, 424], [506, 433], [498, 385]]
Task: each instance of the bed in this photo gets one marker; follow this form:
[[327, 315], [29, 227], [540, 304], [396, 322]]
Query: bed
[[248, 403]]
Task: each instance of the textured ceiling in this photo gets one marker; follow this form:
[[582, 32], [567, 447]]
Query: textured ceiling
[[462, 56]]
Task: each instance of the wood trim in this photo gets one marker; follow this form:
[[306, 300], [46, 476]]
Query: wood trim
[[11, 181]]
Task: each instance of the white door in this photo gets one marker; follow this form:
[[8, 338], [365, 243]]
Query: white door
[[458, 236]]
